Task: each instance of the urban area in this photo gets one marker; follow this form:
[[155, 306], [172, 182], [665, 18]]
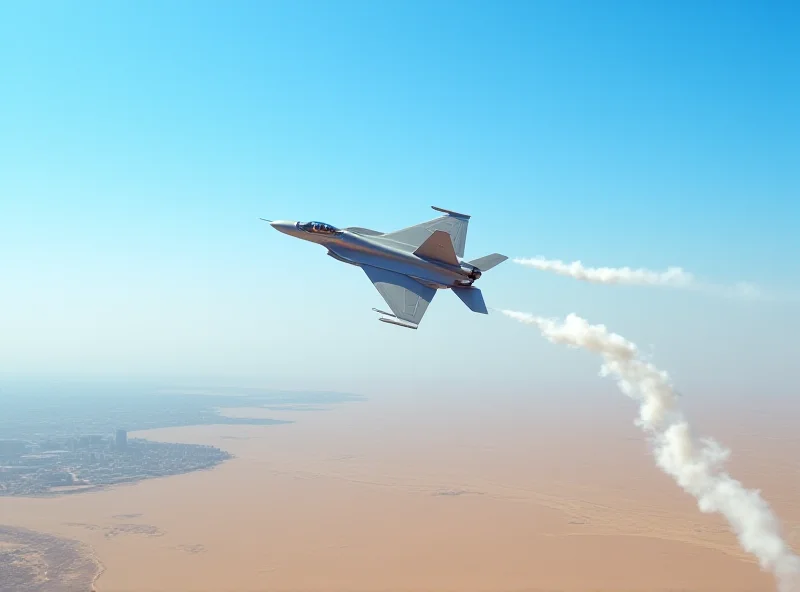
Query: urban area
[[73, 437], [64, 465]]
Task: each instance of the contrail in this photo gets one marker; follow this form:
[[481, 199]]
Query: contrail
[[697, 466], [672, 277]]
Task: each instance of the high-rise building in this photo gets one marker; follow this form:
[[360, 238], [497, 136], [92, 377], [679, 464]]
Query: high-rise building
[[122, 439]]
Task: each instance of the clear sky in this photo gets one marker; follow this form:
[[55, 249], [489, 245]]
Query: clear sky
[[141, 141]]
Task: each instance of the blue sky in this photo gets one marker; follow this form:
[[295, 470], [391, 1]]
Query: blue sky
[[141, 141]]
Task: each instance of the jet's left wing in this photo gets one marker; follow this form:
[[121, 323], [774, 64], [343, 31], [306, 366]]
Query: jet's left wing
[[407, 298]]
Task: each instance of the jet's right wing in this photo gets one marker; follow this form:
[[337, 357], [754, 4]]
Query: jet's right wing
[[407, 298], [452, 223]]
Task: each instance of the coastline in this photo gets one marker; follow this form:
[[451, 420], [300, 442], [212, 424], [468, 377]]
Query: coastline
[[309, 507]]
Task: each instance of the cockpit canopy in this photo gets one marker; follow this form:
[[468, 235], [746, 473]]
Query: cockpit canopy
[[318, 228]]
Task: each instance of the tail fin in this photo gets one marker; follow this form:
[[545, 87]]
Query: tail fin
[[439, 247], [486, 263], [473, 298]]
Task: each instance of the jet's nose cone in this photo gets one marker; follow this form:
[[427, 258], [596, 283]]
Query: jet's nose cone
[[284, 226]]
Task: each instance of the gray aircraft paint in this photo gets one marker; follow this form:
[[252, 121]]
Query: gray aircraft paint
[[406, 266]]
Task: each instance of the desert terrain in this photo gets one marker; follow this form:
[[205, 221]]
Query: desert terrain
[[432, 493]]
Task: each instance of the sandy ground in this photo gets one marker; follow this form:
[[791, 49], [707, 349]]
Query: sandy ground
[[429, 494], [35, 562]]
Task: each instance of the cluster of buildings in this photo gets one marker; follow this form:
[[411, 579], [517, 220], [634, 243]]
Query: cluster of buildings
[[69, 464]]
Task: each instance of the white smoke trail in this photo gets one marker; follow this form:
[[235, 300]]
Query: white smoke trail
[[696, 466], [672, 277]]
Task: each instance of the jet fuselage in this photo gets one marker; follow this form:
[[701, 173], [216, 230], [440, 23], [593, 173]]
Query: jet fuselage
[[374, 250]]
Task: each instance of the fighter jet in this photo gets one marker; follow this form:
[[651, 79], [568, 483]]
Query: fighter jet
[[406, 266]]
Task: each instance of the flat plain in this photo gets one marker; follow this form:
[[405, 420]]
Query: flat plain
[[431, 493]]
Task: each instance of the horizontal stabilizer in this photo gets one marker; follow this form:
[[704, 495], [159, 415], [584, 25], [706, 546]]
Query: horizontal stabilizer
[[438, 247], [486, 263], [473, 298]]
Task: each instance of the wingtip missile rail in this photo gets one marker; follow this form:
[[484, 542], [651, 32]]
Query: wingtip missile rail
[[390, 318], [398, 322]]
